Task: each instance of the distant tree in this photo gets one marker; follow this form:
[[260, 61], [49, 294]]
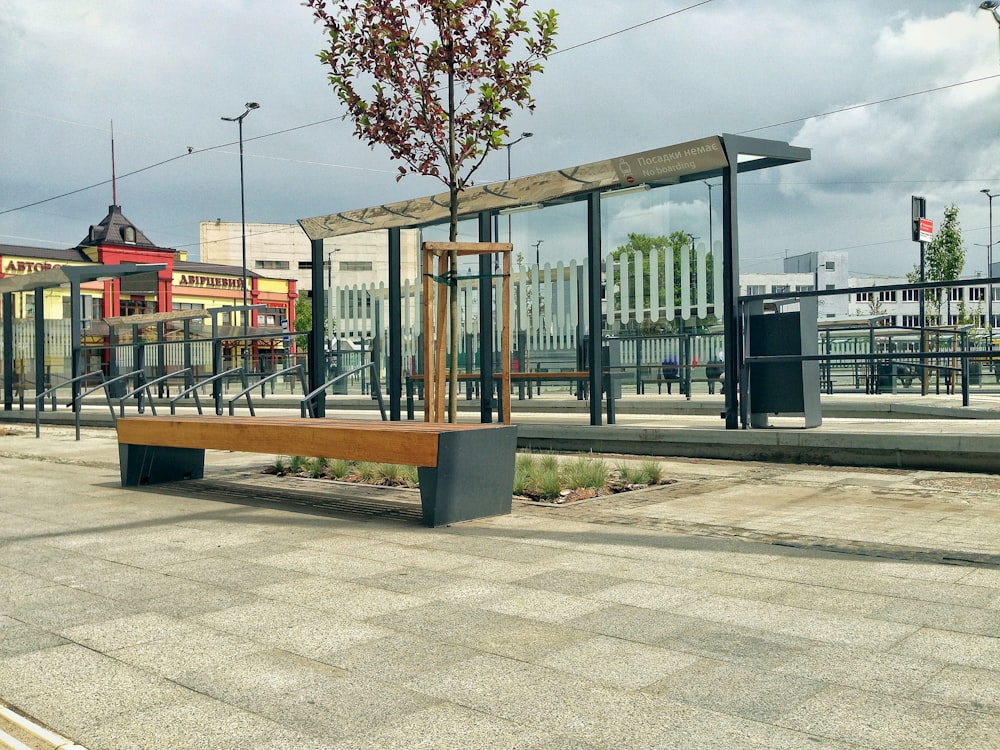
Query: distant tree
[[944, 259], [434, 82], [640, 247], [303, 320]]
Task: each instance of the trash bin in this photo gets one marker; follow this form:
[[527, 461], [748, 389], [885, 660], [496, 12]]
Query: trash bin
[[975, 373]]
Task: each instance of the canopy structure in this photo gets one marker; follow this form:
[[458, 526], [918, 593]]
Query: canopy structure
[[726, 156], [38, 282]]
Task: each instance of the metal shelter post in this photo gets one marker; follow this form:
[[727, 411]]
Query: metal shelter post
[[732, 341], [40, 339], [593, 353], [486, 385], [8, 351], [395, 374], [317, 369]]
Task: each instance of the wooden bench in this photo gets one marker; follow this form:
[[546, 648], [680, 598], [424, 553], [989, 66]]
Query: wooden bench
[[466, 471]]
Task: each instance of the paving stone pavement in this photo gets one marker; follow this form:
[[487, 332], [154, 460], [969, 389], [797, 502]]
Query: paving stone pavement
[[745, 605]]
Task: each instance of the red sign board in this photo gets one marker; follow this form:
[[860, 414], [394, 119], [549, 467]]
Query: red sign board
[[926, 229]]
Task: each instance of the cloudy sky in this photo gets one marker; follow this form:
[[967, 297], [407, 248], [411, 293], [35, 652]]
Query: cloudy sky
[[166, 72]]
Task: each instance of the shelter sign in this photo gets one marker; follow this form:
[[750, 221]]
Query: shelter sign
[[666, 165]]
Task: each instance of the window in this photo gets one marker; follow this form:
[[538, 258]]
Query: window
[[136, 307], [831, 265], [911, 321], [305, 265], [830, 287], [977, 294], [804, 288], [188, 306], [911, 295], [756, 289], [887, 296], [273, 265], [780, 288], [957, 293], [863, 296], [355, 265], [130, 235]]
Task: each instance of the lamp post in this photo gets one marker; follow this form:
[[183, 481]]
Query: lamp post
[[250, 106], [538, 261], [508, 147], [994, 6], [329, 295], [711, 242], [989, 271]]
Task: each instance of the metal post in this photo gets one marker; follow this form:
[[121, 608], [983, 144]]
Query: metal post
[[250, 106], [8, 352], [395, 365], [316, 358], [989, 272], [486, 325], [730, 296], [593, 354]]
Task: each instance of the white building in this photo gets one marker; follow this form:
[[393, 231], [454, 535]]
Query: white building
[[284, 251], [899, 308]]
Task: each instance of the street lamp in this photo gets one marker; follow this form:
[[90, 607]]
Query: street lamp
[[250, 106], [508, 146], [538, 262], [989, 268], [329, 296], [711, 241], [992, 5]]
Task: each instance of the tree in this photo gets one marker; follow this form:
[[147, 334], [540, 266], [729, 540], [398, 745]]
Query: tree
[[303, 320], [434, 82], [944, 257], [641, 246]]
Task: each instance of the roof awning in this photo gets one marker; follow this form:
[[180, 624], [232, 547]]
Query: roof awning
[[670, 165], [73, 274]]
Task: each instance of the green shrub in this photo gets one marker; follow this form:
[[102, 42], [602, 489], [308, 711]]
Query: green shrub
[[367, 471], [318, 467], [339, 468], [585, 473]]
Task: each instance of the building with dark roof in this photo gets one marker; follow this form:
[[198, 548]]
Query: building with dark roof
[[182, 285]]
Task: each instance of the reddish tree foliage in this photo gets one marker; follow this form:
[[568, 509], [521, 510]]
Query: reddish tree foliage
[[434, 81]]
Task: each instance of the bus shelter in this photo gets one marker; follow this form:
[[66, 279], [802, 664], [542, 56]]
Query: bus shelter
[[37, 283], [725, 156]]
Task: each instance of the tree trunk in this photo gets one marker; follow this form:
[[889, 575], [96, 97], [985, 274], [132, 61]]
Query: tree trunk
[[452, 254]]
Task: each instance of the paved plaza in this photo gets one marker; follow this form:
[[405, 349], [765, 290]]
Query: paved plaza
[[744, 605]]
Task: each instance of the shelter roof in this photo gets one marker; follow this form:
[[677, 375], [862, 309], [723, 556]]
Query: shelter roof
[[73, 274], [73, 255], [683, 162]]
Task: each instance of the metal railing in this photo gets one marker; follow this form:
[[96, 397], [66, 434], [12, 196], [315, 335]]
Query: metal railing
[[307, 406], [144, 388], [217, 398], [51, 393], [299, 369]]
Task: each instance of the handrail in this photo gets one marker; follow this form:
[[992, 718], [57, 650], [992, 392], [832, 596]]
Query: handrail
[[273, 376], [193, 390], [307, 405], [78, 401], [145, 388], [40, 398]]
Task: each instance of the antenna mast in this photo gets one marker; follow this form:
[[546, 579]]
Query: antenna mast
[[114, 184]]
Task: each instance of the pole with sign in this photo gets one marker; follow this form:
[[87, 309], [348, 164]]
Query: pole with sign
[[922, 232]]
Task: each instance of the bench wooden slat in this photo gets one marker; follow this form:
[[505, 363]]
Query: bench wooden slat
[[407, 444]]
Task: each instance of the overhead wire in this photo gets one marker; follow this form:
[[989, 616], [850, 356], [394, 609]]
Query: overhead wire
[[192, 151]]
